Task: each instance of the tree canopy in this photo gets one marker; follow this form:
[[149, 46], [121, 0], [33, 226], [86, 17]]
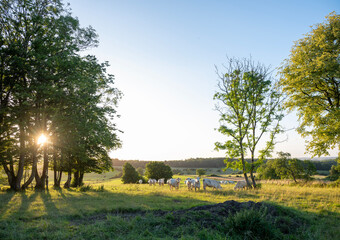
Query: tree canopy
[[311, 80], [157, 170]]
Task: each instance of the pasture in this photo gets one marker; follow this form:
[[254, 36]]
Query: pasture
[[108, 209]]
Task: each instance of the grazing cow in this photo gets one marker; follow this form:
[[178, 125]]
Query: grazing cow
[[196, 183], [240, 185], [211, 183], [188, 182], [152, 182], [173, 183], [140, 181], [161, 182]]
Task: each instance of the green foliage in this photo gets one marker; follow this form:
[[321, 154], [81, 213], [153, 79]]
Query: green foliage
[[140, 171], [249, 106], [200, 172], [335, 171], [311, 79], [286, 168], [157, 170], [130, 174], [268, 171]]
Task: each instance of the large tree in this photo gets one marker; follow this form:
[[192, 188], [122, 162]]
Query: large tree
[[46, 86], [311, 80], [249, 106]]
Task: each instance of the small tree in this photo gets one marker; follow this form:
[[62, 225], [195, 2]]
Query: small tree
[[130, 175], [200, 172], [286, 167], [157, 170], [249, 104]]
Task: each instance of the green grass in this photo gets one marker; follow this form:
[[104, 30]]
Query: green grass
[[109, 209]]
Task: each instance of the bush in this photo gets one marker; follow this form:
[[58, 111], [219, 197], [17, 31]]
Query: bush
[[130, 174], [334, 173], [157, 170], [251, 224], [200, 172]]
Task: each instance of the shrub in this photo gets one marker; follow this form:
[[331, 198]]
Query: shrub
[[334, 173], [251, 224], [84, 188], [130, 174], [157, 170], [200, 172]]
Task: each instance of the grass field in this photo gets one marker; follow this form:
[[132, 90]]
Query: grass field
[[111, 210]]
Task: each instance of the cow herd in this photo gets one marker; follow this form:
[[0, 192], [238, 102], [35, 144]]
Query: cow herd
[[194, 183]]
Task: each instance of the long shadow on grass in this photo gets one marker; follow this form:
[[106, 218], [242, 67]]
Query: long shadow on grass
[[6, 198]]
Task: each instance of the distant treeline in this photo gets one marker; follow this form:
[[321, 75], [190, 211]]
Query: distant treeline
[[188, 163], [324, 165]]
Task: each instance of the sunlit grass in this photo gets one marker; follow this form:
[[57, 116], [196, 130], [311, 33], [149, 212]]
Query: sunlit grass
[[55, 210]]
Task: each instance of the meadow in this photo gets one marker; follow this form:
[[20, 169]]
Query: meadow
[[107, 209]]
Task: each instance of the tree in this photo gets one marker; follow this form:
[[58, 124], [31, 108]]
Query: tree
[[200, 172], [287, 167], [267, 171], [157, 170], [130, 174], [46, 86], [249, 104], [309, 169], [334, 173], [311, 80]]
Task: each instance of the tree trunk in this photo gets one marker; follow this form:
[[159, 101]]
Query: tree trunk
[[22, 155], [57, 173], [244, 168], [68, 182], [34, 170], [75, 180], [78, 179], [10, 177], [81, 176], [252, 170]]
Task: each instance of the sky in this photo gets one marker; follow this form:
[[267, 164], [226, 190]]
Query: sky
[[163, 54]]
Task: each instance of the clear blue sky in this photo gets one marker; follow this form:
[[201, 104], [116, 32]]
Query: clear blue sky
[[163, 55]]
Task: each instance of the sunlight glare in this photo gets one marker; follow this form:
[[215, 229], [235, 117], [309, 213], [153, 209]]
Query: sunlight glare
[[42, 139]]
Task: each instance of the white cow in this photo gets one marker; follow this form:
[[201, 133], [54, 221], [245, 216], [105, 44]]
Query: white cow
[[152, 182], [211, 183], [173, 183], [196, 183], [188, 182], [140, 181], [240, 185], [161, 182]]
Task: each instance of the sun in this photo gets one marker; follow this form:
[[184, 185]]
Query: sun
[[42, 139]]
